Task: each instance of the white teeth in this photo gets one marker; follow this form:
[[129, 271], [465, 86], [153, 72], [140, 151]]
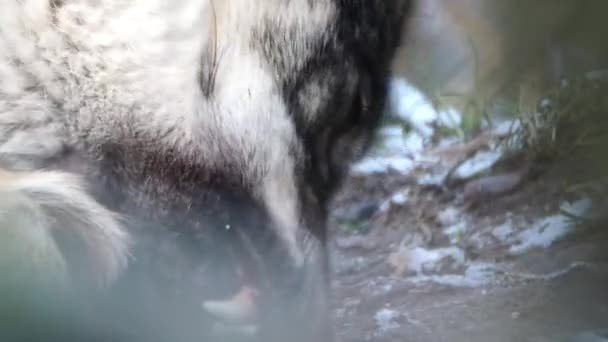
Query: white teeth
[[234, 314], [241, 330], [240, 309]]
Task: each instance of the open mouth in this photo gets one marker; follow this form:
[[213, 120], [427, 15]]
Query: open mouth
[[260, 306], [237, 315]]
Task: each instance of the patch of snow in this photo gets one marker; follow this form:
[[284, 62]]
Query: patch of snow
[[399, 198], [480, 162], [420, 260], [386, 288], [391, 131], [455, 223], [436, 178], [449, 141], [476, 275], [410, 104], [578, 208], [423, 159], [381, 286], [550, 229], [479, 240], [455, 231], [450, 118], [371, 165], [394, 141], [542, 234], [414, 143], [394, 145], [449, 216], [386, 320], [505, 231]]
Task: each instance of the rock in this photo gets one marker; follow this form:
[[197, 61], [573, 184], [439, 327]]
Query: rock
[[492, 185]]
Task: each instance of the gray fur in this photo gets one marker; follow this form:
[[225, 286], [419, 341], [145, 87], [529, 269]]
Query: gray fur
[[136, 108]]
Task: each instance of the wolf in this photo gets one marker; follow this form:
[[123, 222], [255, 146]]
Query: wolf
[[166, 166]]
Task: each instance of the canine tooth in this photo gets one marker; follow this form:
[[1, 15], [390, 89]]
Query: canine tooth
[[238, 309]]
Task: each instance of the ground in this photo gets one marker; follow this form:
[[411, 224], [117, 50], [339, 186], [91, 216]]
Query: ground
[[449, 241]]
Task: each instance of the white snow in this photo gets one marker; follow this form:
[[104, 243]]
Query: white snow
[[454, 222], [480, 162], [393, 140], [402, 151], [505, 231], [385, 320], [432, 178], [410, 104], [394, 145], [455, 231], [550, 229], [420, 260], [578, 208], [449, 216], [479, 240], [542, 234], [399, 198], [414, 143], [449, 141], [391, 131], [450, 118], [402, 144], [476, 275], [371, 165]]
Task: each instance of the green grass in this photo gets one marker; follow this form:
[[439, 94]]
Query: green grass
[[571, 135]]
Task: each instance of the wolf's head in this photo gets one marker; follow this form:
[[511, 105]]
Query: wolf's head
[[202, 138]]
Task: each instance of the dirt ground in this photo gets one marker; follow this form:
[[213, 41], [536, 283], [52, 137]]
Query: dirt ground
[[416, 263]]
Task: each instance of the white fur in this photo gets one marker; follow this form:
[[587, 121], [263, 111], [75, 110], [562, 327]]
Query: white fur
[[116, 68], [28, 248], [56, 200]]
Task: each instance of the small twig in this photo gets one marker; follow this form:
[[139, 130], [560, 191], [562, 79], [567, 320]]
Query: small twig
[[546, 276]]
